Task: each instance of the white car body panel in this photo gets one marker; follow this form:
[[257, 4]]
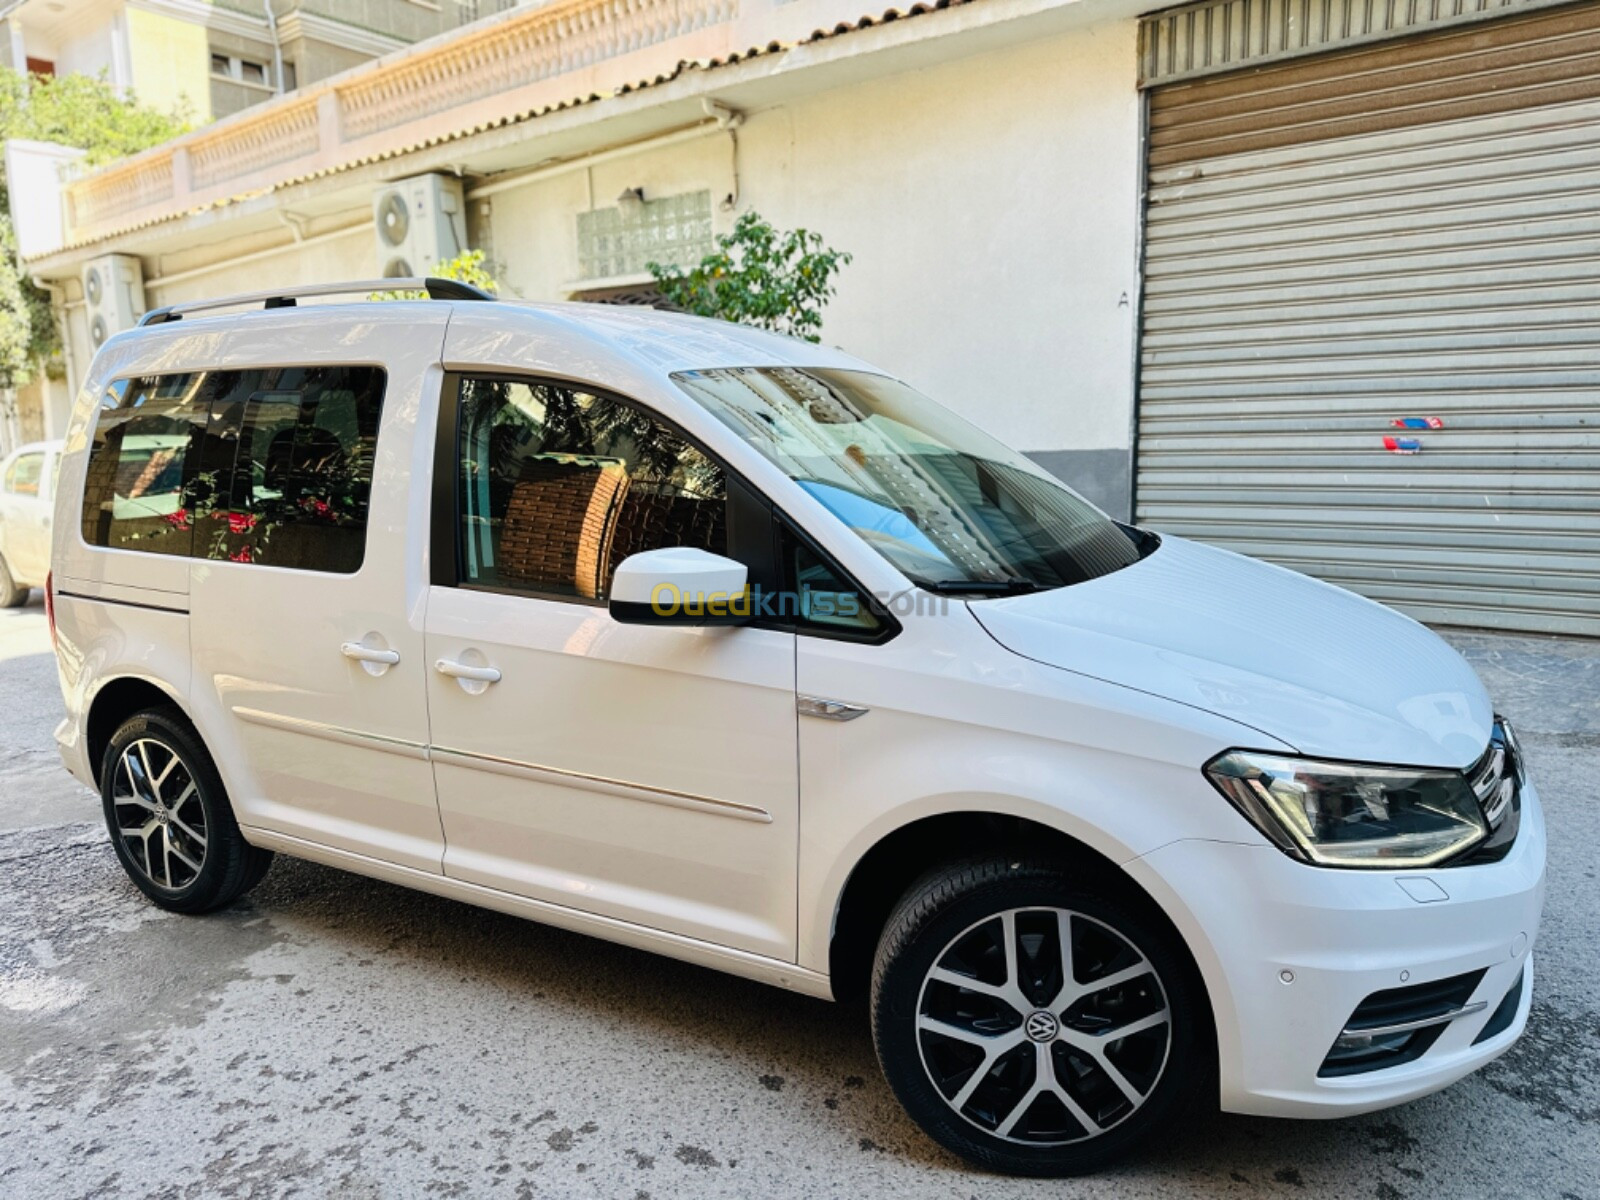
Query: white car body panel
[[656, 786], [1325, 671], [668, 797]]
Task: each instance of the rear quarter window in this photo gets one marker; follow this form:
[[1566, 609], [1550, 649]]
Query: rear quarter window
[[271, 467], [143, 462]]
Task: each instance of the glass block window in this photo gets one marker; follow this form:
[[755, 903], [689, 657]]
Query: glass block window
[[673, 231]]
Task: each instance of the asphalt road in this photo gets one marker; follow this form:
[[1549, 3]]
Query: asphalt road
[[333, 1036]]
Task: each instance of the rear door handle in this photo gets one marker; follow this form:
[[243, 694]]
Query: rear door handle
[[461, 670], [368, 654]]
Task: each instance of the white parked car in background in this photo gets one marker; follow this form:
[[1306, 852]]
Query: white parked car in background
[[27, 507], [734, 648]]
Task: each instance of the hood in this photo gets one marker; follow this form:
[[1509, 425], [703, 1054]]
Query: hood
[[1319, 668]]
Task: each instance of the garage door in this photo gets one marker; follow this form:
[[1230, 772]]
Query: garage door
[[1398, 242]]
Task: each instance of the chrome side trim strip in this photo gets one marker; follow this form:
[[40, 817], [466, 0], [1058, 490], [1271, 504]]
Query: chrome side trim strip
[[333, 733], [599, 783], [505, 766], [1365, 1031]]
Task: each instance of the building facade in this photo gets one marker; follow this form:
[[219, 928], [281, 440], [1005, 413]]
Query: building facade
[[212, 59], [1316, 282]]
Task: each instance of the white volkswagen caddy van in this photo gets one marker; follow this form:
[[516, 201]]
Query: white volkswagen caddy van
[[734, 648]]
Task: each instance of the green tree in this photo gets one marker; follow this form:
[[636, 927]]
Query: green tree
[[759, 276], [466, 267], [76, 110]]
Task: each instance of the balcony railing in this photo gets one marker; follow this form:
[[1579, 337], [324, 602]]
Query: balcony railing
[[412, 97], [551, 40], [280, 133], [104, 196]]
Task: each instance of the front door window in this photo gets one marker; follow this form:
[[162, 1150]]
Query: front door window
[[558, 486]]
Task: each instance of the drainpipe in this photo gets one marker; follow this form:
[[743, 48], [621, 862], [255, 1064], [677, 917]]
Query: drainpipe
[[277, 46], [58, 306], [728, 119]]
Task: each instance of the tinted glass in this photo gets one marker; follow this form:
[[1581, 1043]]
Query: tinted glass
[[948, 505], [827, 602], [301, 482], [558, 486], [268, 466], [22, 478], [142, 464]]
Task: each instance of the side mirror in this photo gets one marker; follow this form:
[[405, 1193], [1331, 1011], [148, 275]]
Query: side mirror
[[680, 586]]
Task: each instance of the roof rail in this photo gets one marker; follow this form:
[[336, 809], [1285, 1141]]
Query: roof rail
[[436, 288]]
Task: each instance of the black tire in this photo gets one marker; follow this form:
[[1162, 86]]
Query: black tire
[[228, 865], [952, 917], [12, 593]]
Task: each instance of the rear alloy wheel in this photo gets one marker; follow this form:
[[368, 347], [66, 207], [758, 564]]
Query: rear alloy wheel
[[169, 817], [1028, 1027], [159, 815]]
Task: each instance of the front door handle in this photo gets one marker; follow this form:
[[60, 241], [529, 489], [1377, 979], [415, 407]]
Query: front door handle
[[369, 654], [461, 670]]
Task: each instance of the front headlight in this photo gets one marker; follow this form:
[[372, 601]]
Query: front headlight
[[1350, 814]]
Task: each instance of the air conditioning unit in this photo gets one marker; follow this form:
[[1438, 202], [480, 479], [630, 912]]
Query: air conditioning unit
[[113, 293], [421, 222]]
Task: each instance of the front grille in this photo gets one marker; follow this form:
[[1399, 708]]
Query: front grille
[[1496, 781], [1399, 1025]]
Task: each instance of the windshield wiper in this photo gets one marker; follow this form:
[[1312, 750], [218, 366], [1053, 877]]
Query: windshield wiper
[[987, 587]]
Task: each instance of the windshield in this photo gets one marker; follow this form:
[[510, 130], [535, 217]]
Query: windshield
[[951, 507]]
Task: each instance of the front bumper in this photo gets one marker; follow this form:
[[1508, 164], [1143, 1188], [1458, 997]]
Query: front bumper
[[1288, 952]]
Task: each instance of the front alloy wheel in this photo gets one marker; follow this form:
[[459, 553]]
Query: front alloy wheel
[[1043, 1026], [1030, 1025]]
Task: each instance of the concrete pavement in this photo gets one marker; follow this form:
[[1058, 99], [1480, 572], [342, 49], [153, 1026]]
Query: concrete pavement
[[334, 1036]]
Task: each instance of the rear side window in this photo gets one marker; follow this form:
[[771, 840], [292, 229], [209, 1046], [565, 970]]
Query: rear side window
[[270, 467], [302, 473]]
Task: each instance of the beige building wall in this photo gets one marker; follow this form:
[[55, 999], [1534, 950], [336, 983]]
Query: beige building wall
[[92, 53], [171, 63], [991, 204], [316, 60], [345, 255], [408, 20], [993, 208], [228, 96], [42, 408]]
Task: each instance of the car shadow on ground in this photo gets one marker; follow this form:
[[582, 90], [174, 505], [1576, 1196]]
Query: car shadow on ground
[[782, 1040]]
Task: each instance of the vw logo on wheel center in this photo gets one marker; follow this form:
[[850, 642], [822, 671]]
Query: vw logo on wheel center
[[1041, 1026]]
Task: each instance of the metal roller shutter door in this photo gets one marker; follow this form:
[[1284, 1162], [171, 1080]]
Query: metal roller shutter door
[[1336, 242]]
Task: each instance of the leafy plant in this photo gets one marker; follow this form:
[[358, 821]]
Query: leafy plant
[[759, 276], [466, 267], [76, 110]]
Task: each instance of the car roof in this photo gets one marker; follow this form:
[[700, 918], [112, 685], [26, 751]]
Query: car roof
[[643, 338], [667, 341]]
